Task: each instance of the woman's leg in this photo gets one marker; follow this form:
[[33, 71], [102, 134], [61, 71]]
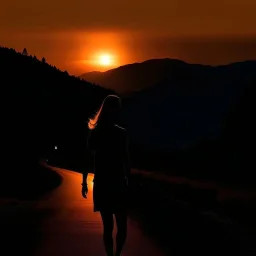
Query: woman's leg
[[121, 223], [108, 224]]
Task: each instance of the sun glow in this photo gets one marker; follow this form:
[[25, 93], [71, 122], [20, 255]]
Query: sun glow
[[105, 59], [102, 51]]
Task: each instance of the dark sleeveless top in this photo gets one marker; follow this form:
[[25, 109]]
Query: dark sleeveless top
[[109, 146]]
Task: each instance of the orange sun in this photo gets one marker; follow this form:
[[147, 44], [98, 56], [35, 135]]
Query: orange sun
[[105, 60]]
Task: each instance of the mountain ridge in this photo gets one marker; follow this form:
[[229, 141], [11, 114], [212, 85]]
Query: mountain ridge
[[131, 78]]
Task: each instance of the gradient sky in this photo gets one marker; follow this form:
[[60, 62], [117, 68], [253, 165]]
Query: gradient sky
[[69, 33]]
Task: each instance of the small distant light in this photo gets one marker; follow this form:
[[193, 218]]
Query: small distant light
[[55, 147]]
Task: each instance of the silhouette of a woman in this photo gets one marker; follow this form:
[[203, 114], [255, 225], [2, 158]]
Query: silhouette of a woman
[[108, 140]]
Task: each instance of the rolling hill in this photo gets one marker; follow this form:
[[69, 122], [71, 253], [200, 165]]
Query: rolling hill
[[41, 106], [197, 120], [132, 78]]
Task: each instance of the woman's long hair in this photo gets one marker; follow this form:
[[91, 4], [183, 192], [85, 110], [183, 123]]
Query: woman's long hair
[[108, 114]]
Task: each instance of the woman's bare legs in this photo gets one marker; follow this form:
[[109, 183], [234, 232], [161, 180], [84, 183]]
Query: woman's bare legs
[[108, 225], [121, 223]]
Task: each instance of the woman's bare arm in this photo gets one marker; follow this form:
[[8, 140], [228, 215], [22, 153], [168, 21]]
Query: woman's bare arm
[[85, 169], [84, 180]]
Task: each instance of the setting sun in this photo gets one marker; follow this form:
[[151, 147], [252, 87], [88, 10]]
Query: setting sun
[[105, 60]]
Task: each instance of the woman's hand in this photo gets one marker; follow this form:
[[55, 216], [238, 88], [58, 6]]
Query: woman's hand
[[84, 190]]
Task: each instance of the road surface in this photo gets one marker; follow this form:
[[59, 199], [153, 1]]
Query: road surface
[[70, 227]]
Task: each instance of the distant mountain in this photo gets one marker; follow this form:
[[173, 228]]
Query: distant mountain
[[189, 105], [135, 77], [199, 123], [172, 104]]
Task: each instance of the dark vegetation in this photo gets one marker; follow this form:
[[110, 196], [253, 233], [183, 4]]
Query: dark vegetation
[[198, 123], [228, 157], [41, 106], [187, 219]]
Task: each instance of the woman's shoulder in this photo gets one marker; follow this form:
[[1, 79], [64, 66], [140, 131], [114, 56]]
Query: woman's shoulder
[[122, 132], [120, 128]]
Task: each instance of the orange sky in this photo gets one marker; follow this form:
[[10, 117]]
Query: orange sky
[[69, 33]]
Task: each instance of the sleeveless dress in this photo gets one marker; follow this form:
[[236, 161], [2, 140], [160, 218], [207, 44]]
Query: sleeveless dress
[[110, 181]]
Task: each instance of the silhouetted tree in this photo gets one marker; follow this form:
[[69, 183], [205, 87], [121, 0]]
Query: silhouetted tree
[[25, 52], [43, 60]]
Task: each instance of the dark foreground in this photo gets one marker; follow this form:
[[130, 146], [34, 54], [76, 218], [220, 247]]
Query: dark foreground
[[62, 223], [186, 220]]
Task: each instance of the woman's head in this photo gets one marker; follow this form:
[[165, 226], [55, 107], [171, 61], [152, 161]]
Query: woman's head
[[108, 114]]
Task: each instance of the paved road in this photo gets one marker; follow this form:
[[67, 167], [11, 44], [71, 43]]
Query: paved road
[[70, 227]]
